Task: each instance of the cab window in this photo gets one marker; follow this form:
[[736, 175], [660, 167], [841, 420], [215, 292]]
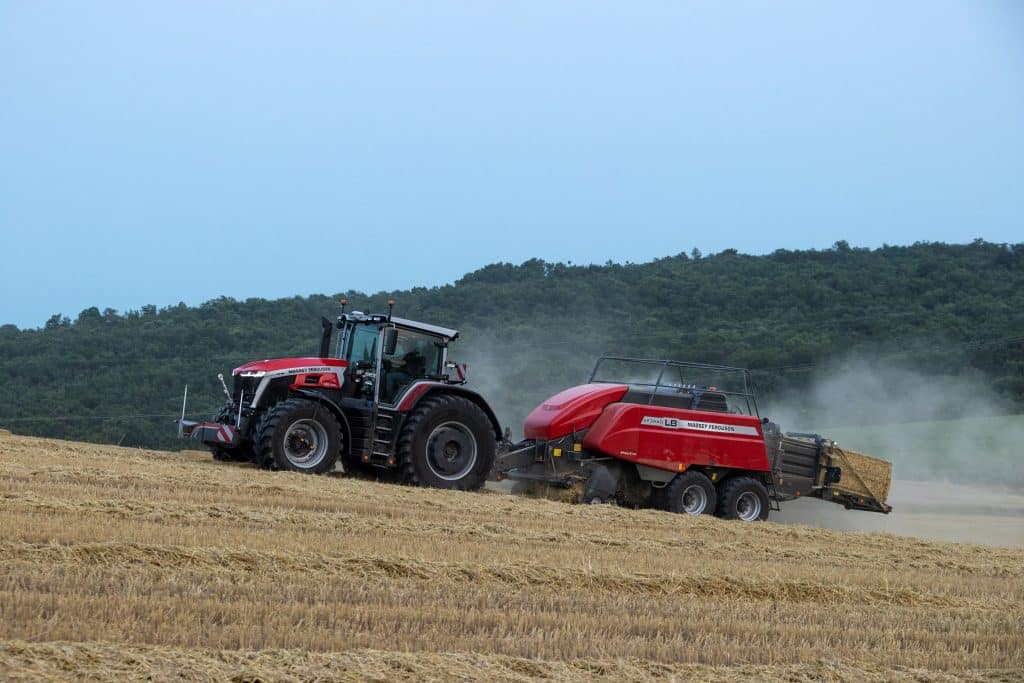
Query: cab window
[[416, 356]]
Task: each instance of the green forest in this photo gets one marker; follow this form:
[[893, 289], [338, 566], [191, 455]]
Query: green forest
[[954, 313]]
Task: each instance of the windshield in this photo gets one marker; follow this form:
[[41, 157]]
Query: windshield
[[362, 344]]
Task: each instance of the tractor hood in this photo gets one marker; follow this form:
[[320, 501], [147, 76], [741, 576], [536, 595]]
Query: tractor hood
[[571, 410], [290, 364]]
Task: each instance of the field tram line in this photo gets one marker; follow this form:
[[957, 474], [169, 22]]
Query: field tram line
[[274, 517], [513, 575]]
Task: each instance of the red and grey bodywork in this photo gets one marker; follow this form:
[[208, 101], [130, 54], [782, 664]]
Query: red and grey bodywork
[[252, 384], [598, 421]]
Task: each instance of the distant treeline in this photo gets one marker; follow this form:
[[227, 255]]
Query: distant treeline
[[531, 329]]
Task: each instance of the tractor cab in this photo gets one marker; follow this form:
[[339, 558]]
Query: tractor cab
[[387, 354]]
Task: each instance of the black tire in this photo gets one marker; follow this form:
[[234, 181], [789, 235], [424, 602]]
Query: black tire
[[447, 442], [300, 435], [690, 493], [259, 457], [744, 499], [225, 416]]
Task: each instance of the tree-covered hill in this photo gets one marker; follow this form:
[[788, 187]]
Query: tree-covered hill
[[531, 329]]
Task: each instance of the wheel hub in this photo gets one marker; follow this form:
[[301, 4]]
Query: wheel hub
[[305, 443], [451, 451], [748, 506], [695, 500]]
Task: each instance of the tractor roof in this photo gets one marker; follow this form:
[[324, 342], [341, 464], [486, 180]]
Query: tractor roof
[[359, 317], [446, 332]]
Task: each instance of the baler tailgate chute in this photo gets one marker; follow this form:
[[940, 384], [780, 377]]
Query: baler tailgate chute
[[807, 465]]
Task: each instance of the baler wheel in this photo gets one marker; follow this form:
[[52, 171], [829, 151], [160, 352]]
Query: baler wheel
[[744, 499], [447, 442], [690, 493], [300, 435]]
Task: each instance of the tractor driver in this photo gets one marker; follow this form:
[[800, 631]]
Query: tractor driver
[[403, 369]]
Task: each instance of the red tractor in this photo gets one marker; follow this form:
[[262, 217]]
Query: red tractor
[[386, 398], [684, 437]]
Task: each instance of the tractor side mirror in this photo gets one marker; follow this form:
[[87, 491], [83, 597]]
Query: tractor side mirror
[[390, 341]]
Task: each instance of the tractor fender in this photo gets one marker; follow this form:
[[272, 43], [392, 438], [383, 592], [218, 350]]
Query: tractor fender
[[332, 406], [421, 390]]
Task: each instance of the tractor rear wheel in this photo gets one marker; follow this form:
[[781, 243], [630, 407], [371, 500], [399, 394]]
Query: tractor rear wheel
[[300, 435], [690, 493], [447, 442], [744, 499]]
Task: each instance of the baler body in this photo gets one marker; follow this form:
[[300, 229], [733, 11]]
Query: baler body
[[638, 436]]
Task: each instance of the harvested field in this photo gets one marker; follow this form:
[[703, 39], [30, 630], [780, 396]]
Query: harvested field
[[121, 563]]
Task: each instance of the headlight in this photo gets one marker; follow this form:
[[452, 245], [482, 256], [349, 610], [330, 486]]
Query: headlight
[[256, 373]]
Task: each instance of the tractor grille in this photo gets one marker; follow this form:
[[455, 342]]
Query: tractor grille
[[247, 385]]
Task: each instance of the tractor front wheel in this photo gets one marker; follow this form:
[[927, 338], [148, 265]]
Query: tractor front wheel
[[447, 442], [300, 435]]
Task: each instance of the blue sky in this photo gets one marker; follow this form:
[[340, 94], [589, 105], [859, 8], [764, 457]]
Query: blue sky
[[156, 152]]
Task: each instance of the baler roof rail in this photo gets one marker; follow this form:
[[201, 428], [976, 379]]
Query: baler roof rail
[[725, 380]]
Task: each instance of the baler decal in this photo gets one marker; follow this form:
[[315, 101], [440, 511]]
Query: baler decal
[[717, 427]]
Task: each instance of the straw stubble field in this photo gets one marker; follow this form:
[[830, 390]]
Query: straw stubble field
[[125, 563]]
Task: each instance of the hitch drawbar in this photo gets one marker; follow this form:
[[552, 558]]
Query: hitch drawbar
[[512, 456]]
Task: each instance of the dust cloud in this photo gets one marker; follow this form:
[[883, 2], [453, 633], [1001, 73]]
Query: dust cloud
[[958, 457], [516, 374], [945, 428]]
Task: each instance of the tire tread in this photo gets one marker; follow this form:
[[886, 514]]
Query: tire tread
[[271, 419], [407, 473], [732, 488]]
